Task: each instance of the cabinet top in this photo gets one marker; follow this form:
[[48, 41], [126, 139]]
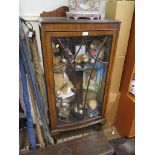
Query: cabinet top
[[66, 20]]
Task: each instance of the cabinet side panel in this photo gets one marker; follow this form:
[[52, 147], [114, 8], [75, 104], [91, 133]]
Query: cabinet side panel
[[110, 69], [47, 65]]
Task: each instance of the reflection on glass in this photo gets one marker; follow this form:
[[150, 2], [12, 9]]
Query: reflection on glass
[[80, 66]]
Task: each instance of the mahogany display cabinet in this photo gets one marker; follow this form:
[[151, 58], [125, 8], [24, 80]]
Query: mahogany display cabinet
[[78, 57]]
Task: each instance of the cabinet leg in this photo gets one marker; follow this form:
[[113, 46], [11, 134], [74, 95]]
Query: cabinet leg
[[55, 137]]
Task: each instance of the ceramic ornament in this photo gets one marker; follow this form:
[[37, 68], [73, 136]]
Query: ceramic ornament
[[84, 8]]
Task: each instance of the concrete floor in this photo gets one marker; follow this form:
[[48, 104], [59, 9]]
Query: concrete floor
[[111, 133]]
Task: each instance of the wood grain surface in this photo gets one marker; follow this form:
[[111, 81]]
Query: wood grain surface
[[96, 144], [125, 117]]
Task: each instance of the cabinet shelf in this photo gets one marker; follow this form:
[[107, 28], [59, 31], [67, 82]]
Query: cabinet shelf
[[83, 67]]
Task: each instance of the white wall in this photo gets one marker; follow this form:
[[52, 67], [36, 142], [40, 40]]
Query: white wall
[[35, 7], [31, 9]]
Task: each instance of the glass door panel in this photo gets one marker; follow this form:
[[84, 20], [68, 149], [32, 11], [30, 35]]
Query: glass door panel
[[80, 67]]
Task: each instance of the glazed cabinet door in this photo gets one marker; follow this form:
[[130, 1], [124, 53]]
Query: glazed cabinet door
[[78, 65]]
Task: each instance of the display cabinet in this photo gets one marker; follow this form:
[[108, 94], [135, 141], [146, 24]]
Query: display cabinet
[[78, 57]]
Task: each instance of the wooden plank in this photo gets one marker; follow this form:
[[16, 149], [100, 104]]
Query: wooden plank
[[80, 27], [129, 62], [64, 20], [125, 116], [96, 144], [59, 12]]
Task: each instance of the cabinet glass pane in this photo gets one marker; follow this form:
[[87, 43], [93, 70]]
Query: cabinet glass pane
[[80, 67]]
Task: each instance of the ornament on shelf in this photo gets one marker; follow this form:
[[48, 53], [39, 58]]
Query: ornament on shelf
[[78, 110], [64, 109], [93, 108], [95, 47], [63, 86], [82, 58], [85, 8]]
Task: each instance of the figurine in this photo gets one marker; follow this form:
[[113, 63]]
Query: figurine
[[68, 53], [95, 46], [56, 60], [93, 84], [82, 58], [64, 60], [78, 111], [63, 86], [64, 111], [92, 60], [93, 109], [58, 56], [93, 78], [55, 47]]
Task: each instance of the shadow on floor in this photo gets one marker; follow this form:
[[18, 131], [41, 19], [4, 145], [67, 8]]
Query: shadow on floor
[[124, 146]]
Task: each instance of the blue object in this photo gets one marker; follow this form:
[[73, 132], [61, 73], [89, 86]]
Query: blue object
[[31, 75], [29, 122]]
